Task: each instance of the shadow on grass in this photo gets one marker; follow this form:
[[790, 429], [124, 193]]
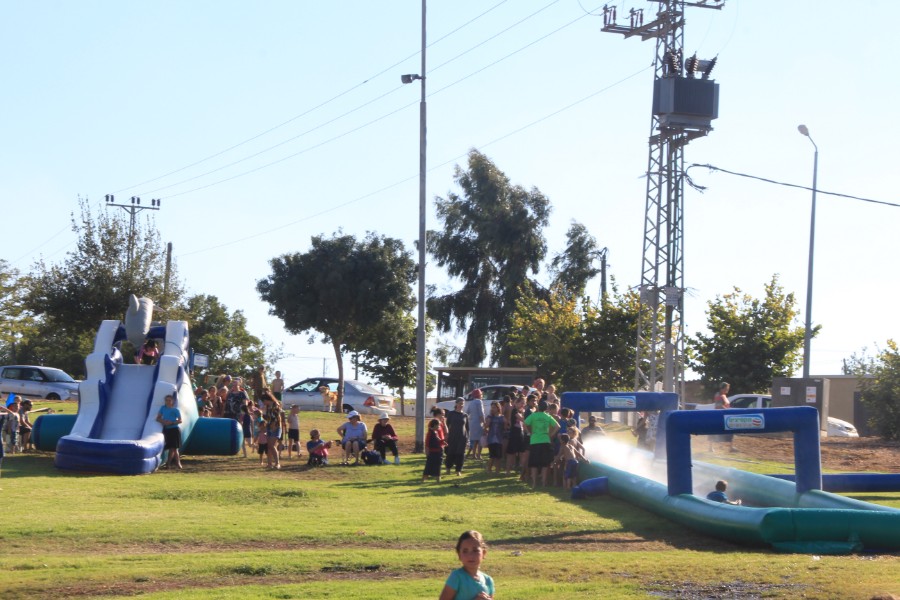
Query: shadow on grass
[[633, 525], [31, 464]]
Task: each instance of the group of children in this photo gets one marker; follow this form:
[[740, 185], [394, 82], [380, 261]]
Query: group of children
[[263, 428], [507, 438], [15, 424]]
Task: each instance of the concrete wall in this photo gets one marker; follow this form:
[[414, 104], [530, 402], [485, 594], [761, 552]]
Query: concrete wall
[[841, 390]]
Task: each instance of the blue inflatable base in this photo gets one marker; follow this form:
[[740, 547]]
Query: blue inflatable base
[[117, 457]]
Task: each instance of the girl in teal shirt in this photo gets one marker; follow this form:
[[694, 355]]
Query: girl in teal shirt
[[468, 582]]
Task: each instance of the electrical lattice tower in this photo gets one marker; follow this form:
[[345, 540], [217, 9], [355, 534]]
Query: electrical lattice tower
[[685, 101]]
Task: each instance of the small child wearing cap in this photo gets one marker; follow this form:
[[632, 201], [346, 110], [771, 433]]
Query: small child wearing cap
[[11, 424], [385, 438]]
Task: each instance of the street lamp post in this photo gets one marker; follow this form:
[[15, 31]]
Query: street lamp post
[[420, 330], [807, 333]]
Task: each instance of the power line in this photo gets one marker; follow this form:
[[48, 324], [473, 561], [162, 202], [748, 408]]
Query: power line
[[306, 112], [279, 144], [412, 177], [39, 246], [701, 188], [496, 35], [513, 53], [353, 130]]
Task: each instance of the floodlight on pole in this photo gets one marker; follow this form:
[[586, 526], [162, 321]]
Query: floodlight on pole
[[807, 331]]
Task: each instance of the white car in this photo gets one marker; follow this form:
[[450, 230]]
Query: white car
[[836, 427], [41, 382], [358, 396]]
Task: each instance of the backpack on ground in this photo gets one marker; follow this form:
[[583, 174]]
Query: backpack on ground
[[371, 457]]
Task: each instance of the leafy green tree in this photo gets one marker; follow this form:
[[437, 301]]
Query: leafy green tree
[[222, 336], [574, 344], [16, 323], [93, 283], [881, 393], [750, 340], [391, 356], [342, 288], [492, 239], [574, 267], [547, 333], [610, 340]]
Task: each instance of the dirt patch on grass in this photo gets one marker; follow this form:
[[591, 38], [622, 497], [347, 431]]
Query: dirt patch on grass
[[736, 590], [869, 455]]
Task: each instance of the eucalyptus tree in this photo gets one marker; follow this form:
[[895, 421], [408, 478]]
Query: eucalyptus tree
[[492, 242]]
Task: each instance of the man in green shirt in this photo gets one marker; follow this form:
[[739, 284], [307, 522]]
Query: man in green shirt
[[542, 427]]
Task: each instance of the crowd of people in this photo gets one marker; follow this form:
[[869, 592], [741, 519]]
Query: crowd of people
[[525, 433], [270, 430]]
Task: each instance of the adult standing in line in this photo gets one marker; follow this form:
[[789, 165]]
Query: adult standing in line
[[258, 383], [457, 436], [530, 408], [277, 385], [721, 402], [170, 418], [277, 425], [475, 412], [516, 446], [541, 427], [235, 400], [593, 429], [640, 430]]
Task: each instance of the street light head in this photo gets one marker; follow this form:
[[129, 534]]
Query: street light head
[[803, 129], [409, 78]]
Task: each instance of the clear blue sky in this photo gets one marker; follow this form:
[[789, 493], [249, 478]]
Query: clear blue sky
[[260, 124]]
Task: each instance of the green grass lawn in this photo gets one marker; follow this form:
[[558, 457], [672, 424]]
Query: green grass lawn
[[225, 528]]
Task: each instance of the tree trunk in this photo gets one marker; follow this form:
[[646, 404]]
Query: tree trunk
[[402, 404], [340, 365]]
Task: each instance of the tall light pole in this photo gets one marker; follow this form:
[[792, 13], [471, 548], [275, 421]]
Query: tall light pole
[[807, 333], [420, 330]]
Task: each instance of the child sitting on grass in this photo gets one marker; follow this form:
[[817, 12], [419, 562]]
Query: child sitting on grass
[[317, 448]]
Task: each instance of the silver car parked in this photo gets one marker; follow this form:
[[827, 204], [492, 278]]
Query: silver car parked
[[358, 396], [39, 382]]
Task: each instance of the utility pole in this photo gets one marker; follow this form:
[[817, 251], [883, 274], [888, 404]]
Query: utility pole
[[132, 209], [602, 254], [421, 355], [168, 275], [685, 101]]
